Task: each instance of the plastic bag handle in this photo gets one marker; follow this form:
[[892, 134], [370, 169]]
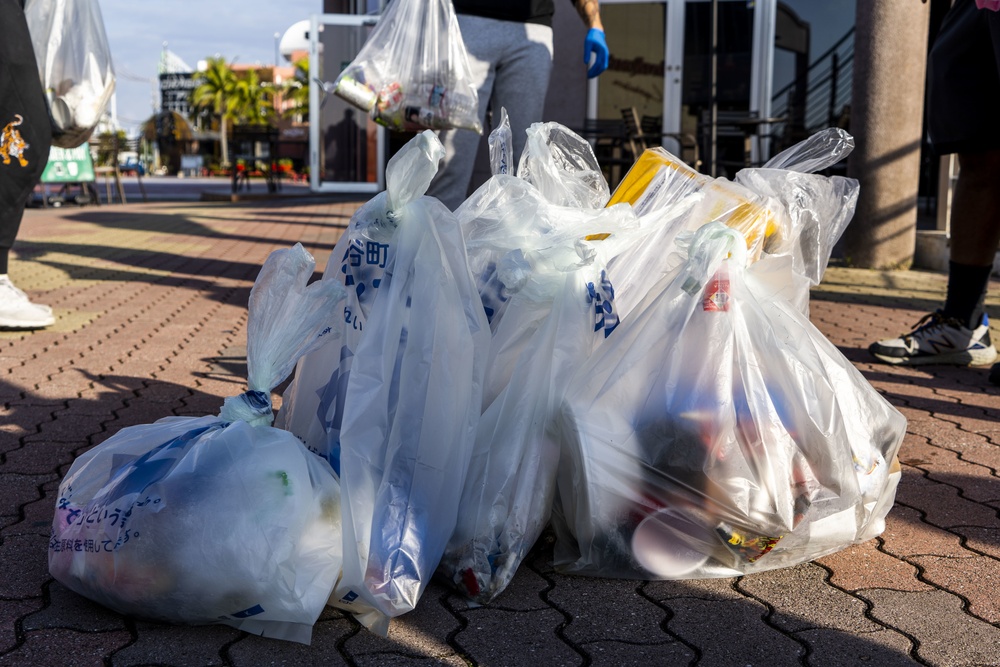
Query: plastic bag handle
[[252, 407], [820, 151], [410, 171], [710, 245], [287, 316]]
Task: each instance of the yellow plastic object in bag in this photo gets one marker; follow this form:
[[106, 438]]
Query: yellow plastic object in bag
[[658, 179], [680, 178]]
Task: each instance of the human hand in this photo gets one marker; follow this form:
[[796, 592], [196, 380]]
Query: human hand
[[596, 46]]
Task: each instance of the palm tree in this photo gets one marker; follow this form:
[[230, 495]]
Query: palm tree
[[250, 101], [296, 90], [216, 84]]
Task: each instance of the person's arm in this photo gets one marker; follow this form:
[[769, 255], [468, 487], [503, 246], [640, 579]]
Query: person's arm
[[594, 46], [590, 12]]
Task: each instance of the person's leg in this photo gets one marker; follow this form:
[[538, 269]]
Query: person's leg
[[964, 90], [511, 64], [451, 184], [522, 79], [975, 235], [25, 138], [959, 333]]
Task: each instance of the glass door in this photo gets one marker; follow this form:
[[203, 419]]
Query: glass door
[[347, 148], [661, 64]]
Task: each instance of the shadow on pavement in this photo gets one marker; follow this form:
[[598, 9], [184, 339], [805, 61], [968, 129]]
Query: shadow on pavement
[[581, 620]]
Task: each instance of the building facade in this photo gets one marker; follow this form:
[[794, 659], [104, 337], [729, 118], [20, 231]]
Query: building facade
[[781, 71]]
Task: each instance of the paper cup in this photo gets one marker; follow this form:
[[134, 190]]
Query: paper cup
[[659, 545]]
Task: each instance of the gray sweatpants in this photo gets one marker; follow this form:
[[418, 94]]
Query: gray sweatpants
[[511, 63]]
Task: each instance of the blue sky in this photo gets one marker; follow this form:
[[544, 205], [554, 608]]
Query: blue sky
[[193, 29]]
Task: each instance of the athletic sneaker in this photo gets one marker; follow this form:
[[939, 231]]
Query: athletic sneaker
[[937, 339], [17, 311]]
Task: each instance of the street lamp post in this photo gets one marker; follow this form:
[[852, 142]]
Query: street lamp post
[[274, 73]]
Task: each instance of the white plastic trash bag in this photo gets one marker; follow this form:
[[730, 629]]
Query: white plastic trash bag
[[74, 63], [312, 406], [396, 406], [718, 433], [215, 519], [558, 190], [559, 311]]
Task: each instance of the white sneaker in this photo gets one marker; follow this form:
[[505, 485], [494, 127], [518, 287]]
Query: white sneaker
[[17, 311]]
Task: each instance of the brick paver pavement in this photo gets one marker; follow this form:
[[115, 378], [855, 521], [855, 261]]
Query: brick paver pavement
[[151, 300]]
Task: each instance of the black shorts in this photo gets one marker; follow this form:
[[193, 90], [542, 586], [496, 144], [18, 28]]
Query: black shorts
[[963, 78]]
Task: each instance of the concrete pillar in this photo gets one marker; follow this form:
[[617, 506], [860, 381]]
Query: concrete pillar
[[890, 58]]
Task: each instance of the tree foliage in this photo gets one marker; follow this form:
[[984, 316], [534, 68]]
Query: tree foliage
[[296, 90], [251, 102]]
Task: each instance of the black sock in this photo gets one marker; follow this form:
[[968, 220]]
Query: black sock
[[966, 293], [4, 252]]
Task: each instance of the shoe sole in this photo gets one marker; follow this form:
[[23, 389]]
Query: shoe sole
[[33, 324], [964, 358]]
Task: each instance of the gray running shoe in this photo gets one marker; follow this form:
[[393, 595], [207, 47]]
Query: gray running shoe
[[937, 339]]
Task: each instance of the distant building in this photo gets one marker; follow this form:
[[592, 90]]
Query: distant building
[[175, 92], [176, 83]]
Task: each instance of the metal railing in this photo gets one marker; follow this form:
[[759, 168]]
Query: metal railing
[[821, 95]]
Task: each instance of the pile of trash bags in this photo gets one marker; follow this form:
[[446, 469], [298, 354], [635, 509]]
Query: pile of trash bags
[[635, 369]]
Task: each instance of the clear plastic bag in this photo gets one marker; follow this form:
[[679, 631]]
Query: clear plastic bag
[[407, 382], [560, 309], [74, 63], [816, 153], [215, 519], [413, 72], [558, 190], [563, 167], [312, 406], [718, 433]]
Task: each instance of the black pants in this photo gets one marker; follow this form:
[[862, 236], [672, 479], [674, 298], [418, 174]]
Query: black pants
[[24, 122]]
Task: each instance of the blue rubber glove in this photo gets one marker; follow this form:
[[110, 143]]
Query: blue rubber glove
[[595, 45]]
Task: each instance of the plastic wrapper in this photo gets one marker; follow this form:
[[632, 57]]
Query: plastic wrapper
[[74, 63], [658, 179], [413, 72], [215, 519], [408, 379], [718, 433]]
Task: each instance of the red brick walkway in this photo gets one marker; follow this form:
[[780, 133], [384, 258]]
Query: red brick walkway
[[151, 300]]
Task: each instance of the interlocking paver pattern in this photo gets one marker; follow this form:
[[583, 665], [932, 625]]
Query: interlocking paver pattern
[[151, 300]]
